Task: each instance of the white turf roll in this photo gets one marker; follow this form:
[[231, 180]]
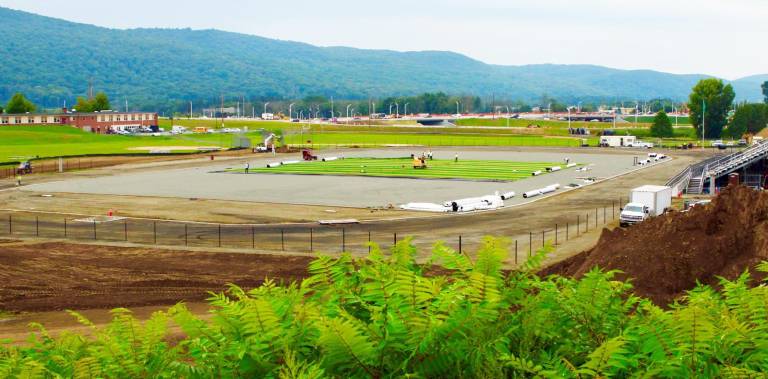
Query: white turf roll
[[507, 195], [290, 162], [328, 159], [531, 193], [536, 173], [554, 168], [569, 165], [274, 164]]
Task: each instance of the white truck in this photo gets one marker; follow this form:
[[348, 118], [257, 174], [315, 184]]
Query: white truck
[[644, 202]]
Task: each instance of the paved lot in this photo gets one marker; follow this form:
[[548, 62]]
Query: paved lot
[[205, 182]]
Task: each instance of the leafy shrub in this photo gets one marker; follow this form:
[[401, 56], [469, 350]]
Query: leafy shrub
[[385, 315]]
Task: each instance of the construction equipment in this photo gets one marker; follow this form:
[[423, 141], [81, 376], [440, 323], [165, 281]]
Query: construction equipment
[[419, 162], [306, 154]]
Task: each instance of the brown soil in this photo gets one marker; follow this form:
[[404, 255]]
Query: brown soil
[[57, 276], [667, 255]]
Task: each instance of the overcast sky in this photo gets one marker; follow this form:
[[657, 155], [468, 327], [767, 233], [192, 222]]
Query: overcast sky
[[716, 37]]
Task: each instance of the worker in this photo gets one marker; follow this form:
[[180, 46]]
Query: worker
[[247, 166], [429, 154], [456, 158], [567, 160], [18, 180]]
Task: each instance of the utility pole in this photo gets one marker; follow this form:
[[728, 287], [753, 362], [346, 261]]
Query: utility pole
[[190, 109], [331, 108], [703, 120], [222, 110]]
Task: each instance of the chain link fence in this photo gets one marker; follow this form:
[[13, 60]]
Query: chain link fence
[[296, 238]]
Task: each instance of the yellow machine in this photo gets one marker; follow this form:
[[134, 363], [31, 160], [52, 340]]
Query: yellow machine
[[419, 162]]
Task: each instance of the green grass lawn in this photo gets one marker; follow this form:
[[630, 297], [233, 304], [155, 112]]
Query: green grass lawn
[[25, 142], [403, 167], [381, 139]]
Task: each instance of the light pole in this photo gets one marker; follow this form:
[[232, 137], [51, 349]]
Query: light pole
[[265, 107], [331, 108], [457, 109], [390, 109], [569, 118], [290, 110], [397, 110], [507, 106], [405, 112], [636, 104], [348, 105], [703, 120], [301, 114]]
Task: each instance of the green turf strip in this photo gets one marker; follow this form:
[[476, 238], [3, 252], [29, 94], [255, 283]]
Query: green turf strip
[[403, 167]]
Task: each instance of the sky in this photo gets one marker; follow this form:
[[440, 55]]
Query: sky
[[715, 37]]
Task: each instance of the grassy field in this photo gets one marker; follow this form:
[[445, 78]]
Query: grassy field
[[403, 167], [382, 139], [25, 142]]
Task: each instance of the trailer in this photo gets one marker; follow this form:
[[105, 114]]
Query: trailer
[[617, 141]]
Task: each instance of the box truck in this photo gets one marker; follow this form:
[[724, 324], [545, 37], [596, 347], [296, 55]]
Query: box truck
[[644, 202]]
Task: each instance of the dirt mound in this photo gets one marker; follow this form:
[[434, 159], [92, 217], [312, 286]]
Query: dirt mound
[[667, 255]]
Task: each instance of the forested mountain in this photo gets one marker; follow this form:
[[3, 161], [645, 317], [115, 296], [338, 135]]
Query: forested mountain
[[52, 60]]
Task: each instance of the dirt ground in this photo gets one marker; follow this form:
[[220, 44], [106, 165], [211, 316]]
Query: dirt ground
[[56, 276], [666, 256]]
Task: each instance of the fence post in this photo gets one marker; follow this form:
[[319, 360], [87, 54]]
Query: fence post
[[94, 229], [311, 240], [37, 226], [459, 243], [613, 209], [125, 230], [253, 237], [369, 242], [10, 224], [596, 217], [282, 239], [605, 220], [219, 235], [154, 232], [186, 235], [65, 227], [530, 243], [343, 239], [578, 224], [542, 238], [395, 238], [567, 225], [586, 224]]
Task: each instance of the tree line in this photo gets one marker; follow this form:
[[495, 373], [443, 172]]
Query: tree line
[[20, 104], [714, 115]]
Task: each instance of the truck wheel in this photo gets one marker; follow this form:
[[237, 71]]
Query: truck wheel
[[623, 224]]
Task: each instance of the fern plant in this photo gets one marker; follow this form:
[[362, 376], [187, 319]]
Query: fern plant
[[455, 315]]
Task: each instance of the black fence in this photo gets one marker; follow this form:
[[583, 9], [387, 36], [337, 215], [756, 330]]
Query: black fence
[[352, 238]]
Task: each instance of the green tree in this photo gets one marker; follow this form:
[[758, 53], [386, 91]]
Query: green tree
[[83, 105], [1, 109], [100, 102], [765, 91], [716, 97], [748, 118], [19, 104], [662, 126]]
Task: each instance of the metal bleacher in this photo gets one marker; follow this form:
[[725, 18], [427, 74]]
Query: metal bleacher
[[692, 179]]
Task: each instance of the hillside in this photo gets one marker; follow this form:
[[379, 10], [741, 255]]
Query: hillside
[[52, 60]]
